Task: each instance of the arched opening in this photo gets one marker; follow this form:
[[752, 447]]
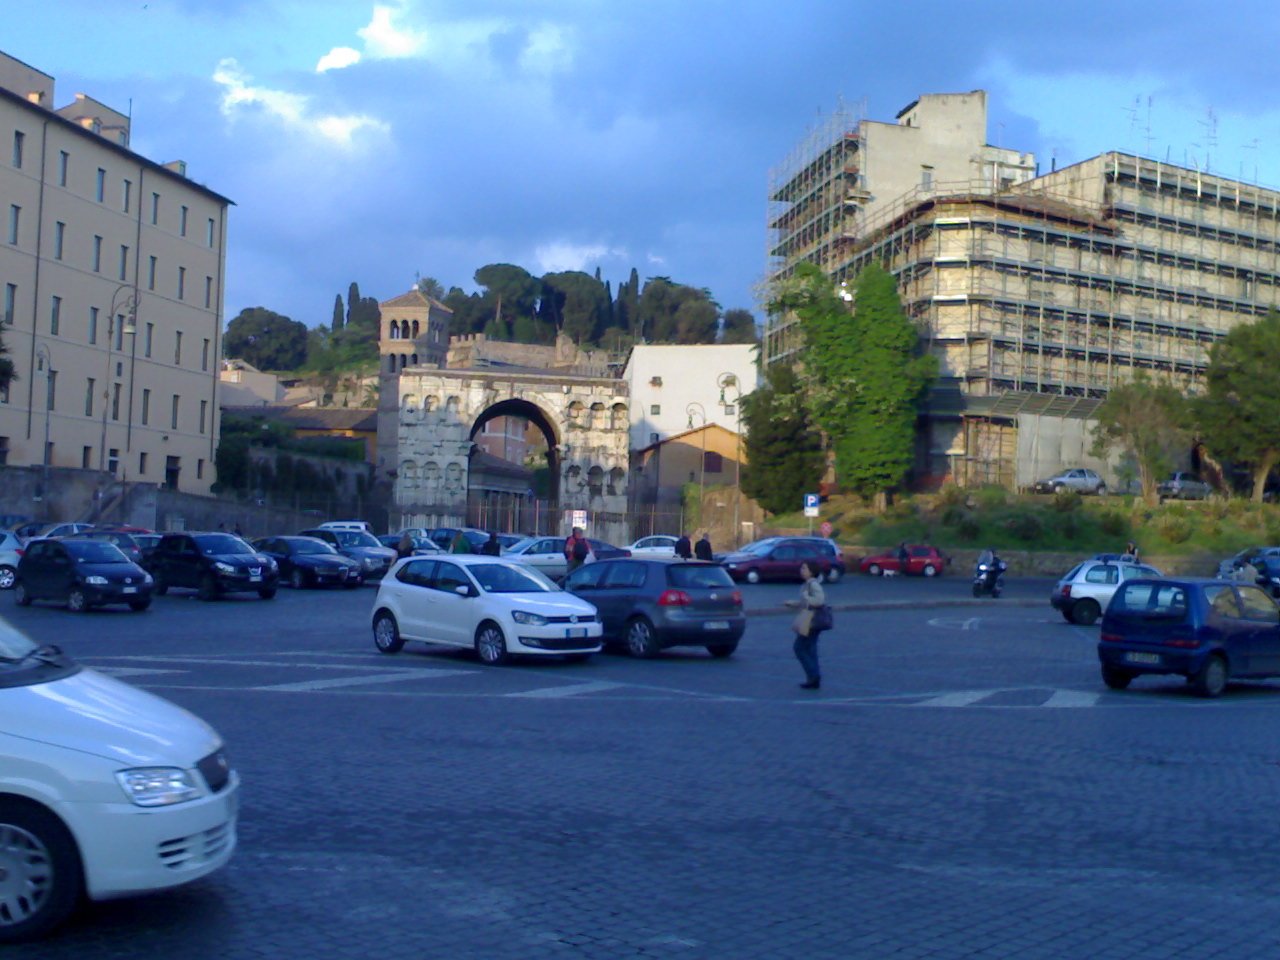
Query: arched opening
[[413, 361], [404, 329], [619, 418], [514, 480], [395, 330], [415, 330]]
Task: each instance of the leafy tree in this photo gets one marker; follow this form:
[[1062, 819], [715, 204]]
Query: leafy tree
[[431, 287], [575, 303], [338, 318], [784, 457], [7, 374], [266, 339], [1150, 422], [1239, 415], [696, 321], [739, 326], [865, 373]]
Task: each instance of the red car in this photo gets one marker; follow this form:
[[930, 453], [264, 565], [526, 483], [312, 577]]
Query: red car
[[922, 560]]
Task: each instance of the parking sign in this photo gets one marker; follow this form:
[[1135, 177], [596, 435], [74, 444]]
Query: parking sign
[[810, 504]]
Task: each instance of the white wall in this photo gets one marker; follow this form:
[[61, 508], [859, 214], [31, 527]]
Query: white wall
[[689, 374]]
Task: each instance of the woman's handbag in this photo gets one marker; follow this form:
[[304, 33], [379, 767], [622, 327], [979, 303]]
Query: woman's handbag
[[823, 618], [802, 622]]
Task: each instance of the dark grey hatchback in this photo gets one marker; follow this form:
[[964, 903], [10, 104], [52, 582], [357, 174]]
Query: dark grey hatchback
[[652, 603]]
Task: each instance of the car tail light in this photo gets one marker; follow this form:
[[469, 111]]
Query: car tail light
[[736, 596], [19, 551], [1181, 642], [1066, 589], [1112, 638], [626, 553], [674, 598]]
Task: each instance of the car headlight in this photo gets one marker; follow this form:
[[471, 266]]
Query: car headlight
[[158, 786], [96, 581], [224, 567], [529, 619], [369, 562], [146, 579]]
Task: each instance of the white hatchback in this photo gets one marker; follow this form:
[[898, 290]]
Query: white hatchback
[[656, 546], [496, 607], [105, 790], [1083, 594]]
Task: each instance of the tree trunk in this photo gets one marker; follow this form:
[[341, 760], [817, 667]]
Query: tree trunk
[[1260, 473], [1149, 492]]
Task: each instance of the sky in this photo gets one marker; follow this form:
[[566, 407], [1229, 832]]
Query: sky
[[378, 141]]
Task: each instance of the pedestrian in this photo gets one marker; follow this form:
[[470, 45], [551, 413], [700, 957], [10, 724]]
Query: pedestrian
[[576, 549], [492, 548], [405, 547], [460, 543], [1131, 550], [684, 549], [702, 549], [239, 532], [903, 556], [806, 643]]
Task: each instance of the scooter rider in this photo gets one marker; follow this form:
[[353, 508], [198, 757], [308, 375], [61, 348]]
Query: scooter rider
[[986, 578]]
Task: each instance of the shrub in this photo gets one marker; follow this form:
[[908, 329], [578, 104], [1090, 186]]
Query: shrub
[[992, 497], [1065, 501], [1024, 526], [1175, 528], [1113, 523], [951, 496], [953, 514], [968, 529]]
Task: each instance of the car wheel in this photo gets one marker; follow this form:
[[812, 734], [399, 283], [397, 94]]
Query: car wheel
[[930, 570], [874, 570], [1066, 615], [77, 602], [386, 633], [1102, 490], [267, 593], [1211, 679], [21, 595], [833, 575], [753, 576], [137, 606], [40, 866], [491, 645], [721, 650], [1058, 488], [208, 589], [297, 579], [1115, 678], [1085, 612], [642, 643], [8, 577], [160, 588]]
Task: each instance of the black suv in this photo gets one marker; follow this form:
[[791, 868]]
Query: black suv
[[652, 603], [82, 573], [213, 564]]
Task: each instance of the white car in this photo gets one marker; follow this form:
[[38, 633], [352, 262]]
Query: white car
[[105, 791], [1085, 591], [544, 554], [498, 608], [10, 553], [656, 546]]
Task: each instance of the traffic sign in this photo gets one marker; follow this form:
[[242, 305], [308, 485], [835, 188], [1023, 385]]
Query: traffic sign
[[825, 528], [810, 504]]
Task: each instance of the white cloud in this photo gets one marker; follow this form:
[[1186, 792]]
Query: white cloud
[[383, 39], [337, 59], [656, 260], [559, 255], [293, 109], [548, 50]]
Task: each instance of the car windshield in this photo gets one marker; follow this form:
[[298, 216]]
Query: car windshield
[[13, 644], [523, 545], [221, 545], [310, 546], [696, 576], [95, 551], [356, 538], [500, 578]]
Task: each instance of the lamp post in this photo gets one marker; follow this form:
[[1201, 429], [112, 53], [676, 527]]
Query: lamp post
[[127, 318], [700, 410], [45, 361], [726, 382]]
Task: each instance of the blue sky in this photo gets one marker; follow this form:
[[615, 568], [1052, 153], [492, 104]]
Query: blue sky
[[373, 141]]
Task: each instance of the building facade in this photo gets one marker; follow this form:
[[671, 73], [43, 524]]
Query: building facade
[[111, 272], [707, 456], [415, 330], [676, 388]]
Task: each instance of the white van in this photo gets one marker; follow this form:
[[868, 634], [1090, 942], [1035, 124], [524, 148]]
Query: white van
[[105, 791], [360, 525]]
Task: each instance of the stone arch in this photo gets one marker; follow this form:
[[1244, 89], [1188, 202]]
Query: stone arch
[[404, 329], [595, 481], [431, 475], [618, 416], [414, 360], [409, 402], [595, 416], [394, 331], [415, 330], [452, 404], [409, 474], [617, 480], [546, 422], [403, 358], [453, 477], [429, 403], [391, 363]]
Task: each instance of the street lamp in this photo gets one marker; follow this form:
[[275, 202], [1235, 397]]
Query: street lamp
[[729, 381], [123, 311], [45, 362], [700, 410]]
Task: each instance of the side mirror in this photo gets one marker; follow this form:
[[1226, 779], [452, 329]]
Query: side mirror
[[462, 590]]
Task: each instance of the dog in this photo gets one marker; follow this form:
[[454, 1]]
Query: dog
[[889, 573]]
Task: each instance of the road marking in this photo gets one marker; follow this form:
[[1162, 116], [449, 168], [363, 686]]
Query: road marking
[[949, 623], [1071, 698], [309, 686], [119, 672], [960, 699], [569, 690]]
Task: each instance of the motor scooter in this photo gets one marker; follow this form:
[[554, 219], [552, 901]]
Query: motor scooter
[[988, 575]]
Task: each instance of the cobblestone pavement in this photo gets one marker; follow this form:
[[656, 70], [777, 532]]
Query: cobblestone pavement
[[962, 786]]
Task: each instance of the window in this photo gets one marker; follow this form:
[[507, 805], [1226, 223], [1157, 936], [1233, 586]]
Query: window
[[15, 215], [142, 463], [173, 419], [97, 254], [10, 297], [4, 451], [51, 390], [113, 460], [115, 401], [88, 397], [59, 233], [19, 138], [126, 195], [155, 209], [182, 225], [124, 261], [63, 158], [177, 347], [209, 237], [55, 315], [151, 273], [712, 462], [1103, 573], [182, 283], [102, 184], [199, 469], [146, 340], [926, 177], [208, 292], [624, 575], [204, 355], [93, 324], [146, 407], [730, 410], [204, 409], [86, 457], [655, 410], [1257, 605]]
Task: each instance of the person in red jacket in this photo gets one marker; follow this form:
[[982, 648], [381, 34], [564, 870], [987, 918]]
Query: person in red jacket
[[576, 549]]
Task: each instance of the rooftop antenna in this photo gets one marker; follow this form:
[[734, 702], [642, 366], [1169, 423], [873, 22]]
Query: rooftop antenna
[[1251, 145], [1210, 124], [1133, 122], [1150, 139]]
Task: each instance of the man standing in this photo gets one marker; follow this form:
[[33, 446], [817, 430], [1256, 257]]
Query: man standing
[[684, 549], [576, 549], [702, 550]]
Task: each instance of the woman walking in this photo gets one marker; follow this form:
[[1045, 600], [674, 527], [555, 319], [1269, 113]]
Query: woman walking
[[806, 645]]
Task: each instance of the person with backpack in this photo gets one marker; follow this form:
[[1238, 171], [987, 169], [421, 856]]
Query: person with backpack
[[492, 547], [576, 549]]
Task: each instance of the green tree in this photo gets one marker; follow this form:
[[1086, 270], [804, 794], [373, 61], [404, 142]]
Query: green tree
[[697, 320], [865, 372], [336, 323], [739, 326], [784, 457], [1147, 421], [576, 304], [431, 287], [266, 339], [1239, 415]]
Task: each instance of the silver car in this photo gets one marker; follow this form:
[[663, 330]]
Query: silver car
[[1184, 486], [1084, 593], [1080, 479], [10, 554]]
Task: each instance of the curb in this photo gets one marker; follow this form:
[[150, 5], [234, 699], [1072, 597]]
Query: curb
[[900, 605]]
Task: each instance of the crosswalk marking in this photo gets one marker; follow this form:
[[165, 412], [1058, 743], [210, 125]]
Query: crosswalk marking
[[961, 698], [308, 686], [1071, 698], [568, 690]]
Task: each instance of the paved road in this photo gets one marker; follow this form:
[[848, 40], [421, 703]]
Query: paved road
[[962, 786]]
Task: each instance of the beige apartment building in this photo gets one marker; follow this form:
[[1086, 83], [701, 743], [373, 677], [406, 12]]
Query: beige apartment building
[[111, 272]]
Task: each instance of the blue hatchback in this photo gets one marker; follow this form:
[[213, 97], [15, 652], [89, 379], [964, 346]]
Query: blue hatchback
[[1209, 631]]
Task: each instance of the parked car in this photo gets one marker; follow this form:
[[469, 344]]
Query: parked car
[[360, 525], [308, 562], [105, 790], [1183, 486], [656, 546], [213, 564], [10, 554], [423, 546], [1080, 479], [651, 603], [374, 559], [922, 559], [1087, 588], [1209, 631], [1255, 555], [509, 540], [443, 537], [10, 520], [544, 554], [779, 558], [498, 608], [40, 529], [124, 541], [83, 574], [147, 543]]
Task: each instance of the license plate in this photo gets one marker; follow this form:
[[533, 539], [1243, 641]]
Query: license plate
[[716, 625], [130, 589], [573, 633], [255, 577], [1142, 658]]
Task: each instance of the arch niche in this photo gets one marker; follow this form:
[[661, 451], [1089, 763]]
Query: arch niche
[[539, 418]]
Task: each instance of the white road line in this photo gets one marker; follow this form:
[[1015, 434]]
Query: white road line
[[280, 665], [1072, 698], [309, 686], [961, 699], [569, 690], [134, 671]]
